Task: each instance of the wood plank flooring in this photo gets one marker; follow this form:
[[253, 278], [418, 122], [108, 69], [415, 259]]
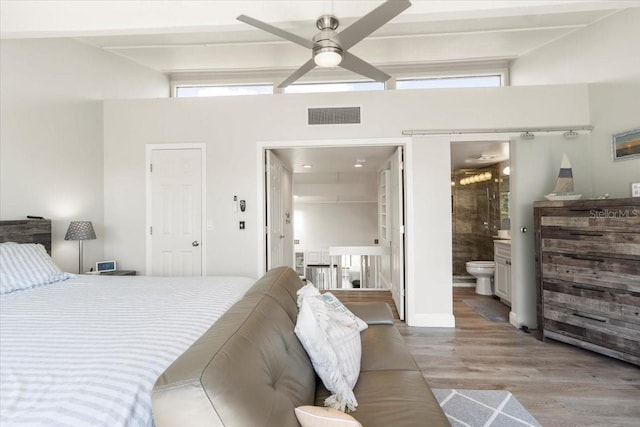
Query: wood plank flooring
[[559, 384]]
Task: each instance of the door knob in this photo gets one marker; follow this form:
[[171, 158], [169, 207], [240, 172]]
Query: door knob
[[523, 229], [195, 243]]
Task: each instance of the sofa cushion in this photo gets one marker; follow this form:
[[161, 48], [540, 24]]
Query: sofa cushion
[[383, 348], [393, 398], [373, 313]]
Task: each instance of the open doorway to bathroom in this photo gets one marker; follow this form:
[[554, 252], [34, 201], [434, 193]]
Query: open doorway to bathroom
[[479, 203]]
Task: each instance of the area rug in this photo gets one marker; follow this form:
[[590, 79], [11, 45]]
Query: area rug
[[483, 408], [491, 309]]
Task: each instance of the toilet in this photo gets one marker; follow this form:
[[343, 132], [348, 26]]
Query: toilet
[[483, 271]]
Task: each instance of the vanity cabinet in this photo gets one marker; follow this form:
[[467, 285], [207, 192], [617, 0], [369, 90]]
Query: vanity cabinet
[[502, 278], [588, 273]]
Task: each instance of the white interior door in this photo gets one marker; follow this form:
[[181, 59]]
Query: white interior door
[[534, 168], [396, 193], [175, 227], [279, 196]]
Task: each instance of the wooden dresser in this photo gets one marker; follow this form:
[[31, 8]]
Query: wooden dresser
[[588, 272]]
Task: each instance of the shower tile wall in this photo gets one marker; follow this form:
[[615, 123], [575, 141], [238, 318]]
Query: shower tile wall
[[475, 218]]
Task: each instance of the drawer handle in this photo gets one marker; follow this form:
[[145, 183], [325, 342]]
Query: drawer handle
[[589, 317], [587, 288], [584, 257], [586, 233]]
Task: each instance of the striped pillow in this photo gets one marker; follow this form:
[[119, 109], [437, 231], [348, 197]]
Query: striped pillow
[[26, 265]]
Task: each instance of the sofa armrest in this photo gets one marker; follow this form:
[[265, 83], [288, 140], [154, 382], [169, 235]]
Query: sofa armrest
[[373, 313]]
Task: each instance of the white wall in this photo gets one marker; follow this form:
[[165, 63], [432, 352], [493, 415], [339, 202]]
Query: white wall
[[602, 52], [606, 55], [614, 108], [51, 138], [320, 225], [232, 127]]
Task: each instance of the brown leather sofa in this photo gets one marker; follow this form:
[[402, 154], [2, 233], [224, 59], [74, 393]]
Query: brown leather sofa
[[250, 370]]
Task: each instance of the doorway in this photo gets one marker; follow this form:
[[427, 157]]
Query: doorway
[[175, 209], [534, 161], [345, 208], [479, 202]]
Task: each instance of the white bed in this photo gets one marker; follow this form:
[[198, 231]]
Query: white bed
[[86, 351]]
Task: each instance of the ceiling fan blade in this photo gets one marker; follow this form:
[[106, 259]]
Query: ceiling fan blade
[[357, 65], [371, 22], [308, 66], [276, 31]]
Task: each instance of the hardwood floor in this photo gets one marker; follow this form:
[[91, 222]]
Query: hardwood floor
[[559, 384]]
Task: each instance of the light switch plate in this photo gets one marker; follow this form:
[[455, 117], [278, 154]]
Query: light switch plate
[[635, 189]]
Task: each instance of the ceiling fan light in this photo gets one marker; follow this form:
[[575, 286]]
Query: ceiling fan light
[[327, 57]]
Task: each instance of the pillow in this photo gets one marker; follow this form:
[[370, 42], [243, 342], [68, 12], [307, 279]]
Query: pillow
[[26, 265], [334, 302], [317, 416], [332, 340], [308, 290]]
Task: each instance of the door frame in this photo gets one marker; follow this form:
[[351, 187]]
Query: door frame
[[517, 302], [405, 142], [148, 216], [269, 239]]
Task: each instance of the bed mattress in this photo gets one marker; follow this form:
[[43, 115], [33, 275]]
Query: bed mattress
[[87, 351]]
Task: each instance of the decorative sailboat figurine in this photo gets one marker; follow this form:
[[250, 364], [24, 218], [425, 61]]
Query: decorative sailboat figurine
[[564, 184]]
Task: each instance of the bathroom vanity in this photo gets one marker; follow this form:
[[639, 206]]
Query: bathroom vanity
[[502, 278], [588, 272]]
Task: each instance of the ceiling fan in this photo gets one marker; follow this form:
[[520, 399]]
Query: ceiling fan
[[329, 48]]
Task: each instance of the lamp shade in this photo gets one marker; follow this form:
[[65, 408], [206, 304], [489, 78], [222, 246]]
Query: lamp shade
[[328, 57], [80, 230]]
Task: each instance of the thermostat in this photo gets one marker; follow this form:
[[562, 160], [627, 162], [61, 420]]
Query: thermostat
[[102, 266]]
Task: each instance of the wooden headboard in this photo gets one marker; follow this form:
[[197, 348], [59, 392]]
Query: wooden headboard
[[27, 231]]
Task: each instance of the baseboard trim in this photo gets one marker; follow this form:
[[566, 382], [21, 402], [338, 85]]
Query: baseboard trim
[[464, 285], [432, 321], [513, 319]]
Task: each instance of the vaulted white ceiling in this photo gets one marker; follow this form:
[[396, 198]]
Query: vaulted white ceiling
[[178, 37]]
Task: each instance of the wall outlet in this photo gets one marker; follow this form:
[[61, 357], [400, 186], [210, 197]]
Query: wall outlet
[[241, 225], [635, 189]]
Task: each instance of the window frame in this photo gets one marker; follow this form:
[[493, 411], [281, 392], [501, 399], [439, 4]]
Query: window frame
[[176, 87]]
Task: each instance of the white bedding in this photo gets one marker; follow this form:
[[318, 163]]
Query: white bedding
[[87, 351]]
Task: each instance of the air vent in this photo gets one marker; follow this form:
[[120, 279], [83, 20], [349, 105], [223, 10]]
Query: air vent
[[334, 116]]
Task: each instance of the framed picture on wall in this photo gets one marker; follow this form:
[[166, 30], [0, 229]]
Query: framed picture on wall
[[625, 145]]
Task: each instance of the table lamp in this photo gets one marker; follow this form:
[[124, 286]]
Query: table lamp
[[80, 230]]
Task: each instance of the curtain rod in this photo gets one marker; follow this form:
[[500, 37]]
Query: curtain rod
[[414, 132]]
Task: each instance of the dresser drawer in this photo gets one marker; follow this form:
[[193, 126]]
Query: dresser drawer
[[611, 217], [598, 271], [619, 306], [574, 241], [597, 330]]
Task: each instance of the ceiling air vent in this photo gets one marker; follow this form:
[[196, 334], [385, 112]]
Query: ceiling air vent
[[334, 116]]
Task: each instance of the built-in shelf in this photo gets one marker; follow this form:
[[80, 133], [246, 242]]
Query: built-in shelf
[[384, 217]]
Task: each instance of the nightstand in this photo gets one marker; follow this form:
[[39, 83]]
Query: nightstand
[[119, 273]]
